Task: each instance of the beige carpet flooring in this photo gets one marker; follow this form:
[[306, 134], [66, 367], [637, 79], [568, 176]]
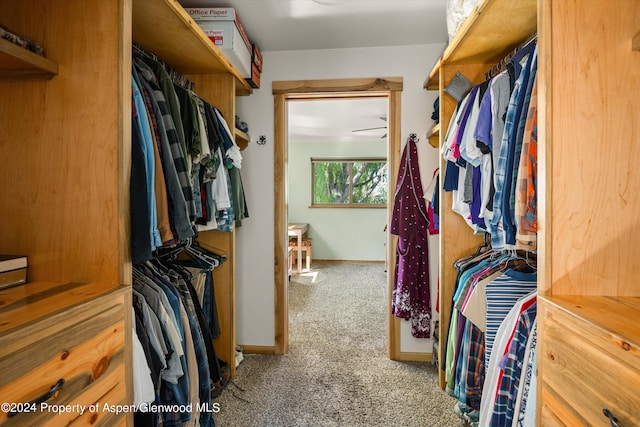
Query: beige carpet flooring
[[336, 372]]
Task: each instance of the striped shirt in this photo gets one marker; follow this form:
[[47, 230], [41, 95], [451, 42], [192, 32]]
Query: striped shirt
[[502, 294]]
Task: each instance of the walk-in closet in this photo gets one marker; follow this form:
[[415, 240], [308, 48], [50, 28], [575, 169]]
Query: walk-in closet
[[143, 222]]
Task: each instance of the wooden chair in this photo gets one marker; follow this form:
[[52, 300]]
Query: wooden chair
[[293, 250]]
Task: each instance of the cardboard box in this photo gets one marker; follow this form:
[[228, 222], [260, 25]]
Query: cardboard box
[[13, 270], [256, 57], [254, 81], [203, 14], [226, 36]]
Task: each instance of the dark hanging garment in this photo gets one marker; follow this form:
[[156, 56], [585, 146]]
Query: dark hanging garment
[[411, 299], [139, 207]]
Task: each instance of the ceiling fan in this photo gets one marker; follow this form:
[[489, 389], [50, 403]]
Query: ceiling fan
[[374, 128]]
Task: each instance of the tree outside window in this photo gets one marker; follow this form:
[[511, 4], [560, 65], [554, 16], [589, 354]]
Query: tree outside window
[[349, 182]]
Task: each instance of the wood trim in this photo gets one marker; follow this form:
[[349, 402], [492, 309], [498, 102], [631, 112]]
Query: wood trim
[[323, 87], [372, 261], [412, 356], [259, 349], [395, 146], [456, 239], [124, 196], [545, 162], [280, 225], [19, 63], [317, 89], [124, 145]]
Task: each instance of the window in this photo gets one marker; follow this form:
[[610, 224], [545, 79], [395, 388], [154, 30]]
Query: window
[[349, 182]]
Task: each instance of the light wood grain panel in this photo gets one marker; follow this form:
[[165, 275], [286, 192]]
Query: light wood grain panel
[[280, 224], [18, 63], [610, 322], [583, 368], [113, 396], [259, 349], [433, 79], [80, 366], [124, 138], [595, 152], [548, 419], [337, 85], [545, 144], [223, 243], [22, 306], [60, 142], [394, 156], [242, 139], [491, 31], [32, 354], [456, 238], [555, 411]]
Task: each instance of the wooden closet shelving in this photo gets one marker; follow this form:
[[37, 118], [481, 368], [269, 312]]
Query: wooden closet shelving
[[18, 63], [434, 136], [588, 292], [493, 29], [65, 161], [166, 29], [242, 139]]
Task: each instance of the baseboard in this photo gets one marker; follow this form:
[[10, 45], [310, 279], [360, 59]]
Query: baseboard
[[258, 349], [414, 357], [351, 260]]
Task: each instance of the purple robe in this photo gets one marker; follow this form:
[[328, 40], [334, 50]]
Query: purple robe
[[411, 299]]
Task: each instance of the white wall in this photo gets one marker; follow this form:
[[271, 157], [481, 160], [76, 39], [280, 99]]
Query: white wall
[[338, 233], [255, 254]]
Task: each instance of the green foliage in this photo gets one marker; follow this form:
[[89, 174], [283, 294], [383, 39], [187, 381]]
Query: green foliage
[[347, 182]]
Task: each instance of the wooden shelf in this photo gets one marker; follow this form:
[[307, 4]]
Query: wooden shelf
[[18, 63], [616, 316], [433, 81], [242, 139], [188, 50], [24, 304], [492, 30], [434, 136]]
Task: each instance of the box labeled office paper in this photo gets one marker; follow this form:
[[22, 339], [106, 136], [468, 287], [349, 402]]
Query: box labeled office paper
[[200, 14], [226, 36]]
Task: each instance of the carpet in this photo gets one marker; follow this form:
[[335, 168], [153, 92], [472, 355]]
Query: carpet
[[336, 371]]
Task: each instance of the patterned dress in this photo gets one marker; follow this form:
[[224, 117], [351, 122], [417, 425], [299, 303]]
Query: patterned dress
[[411, 299]]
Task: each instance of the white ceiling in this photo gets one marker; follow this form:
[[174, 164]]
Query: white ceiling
[[334, 120], [277, 25], [284, 25]]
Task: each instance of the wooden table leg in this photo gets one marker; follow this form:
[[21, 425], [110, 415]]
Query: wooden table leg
[[299, 252]]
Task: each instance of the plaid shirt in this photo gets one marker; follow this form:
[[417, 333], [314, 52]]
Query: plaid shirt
[[167, 122], [503, 228], [475, 368], [512, 369], [174, 168]]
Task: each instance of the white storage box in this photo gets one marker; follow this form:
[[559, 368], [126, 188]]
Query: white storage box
[[226, 36], [200, 14]]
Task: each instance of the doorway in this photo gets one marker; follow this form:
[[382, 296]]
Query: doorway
[[284, 91]]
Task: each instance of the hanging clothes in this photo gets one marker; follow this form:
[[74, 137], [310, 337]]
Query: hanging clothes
[[411, 298]]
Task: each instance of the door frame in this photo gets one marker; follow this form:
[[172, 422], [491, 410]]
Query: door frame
[[390, 88]]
